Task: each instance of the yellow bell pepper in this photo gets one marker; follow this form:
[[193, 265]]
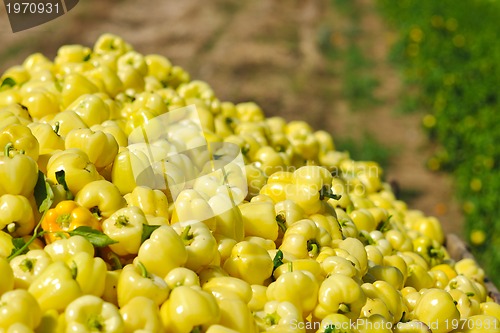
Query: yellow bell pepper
[[19, 307], [436, 309], [389, 296], [389, 274], [490, 308], [470, 269], [192, 205], [468, 286], [229, 220], [125, 226], [304, 239], [339, 294], [79, 171], [7, 281], [234, 314], [188, 308], [47, 136], [135, 280], [64, 249], [101, 197], [163, 251], [480, 324], [67, 120], [181, 276], [91, 108], [75, 85], [66, 216], [339, 265], [16, 215], [151, 202], [227, 287], [100, 147], [259, 219], [55, 287], [110, 286], [466, 305], [141, 314], [19, 173], [131, 169], [280, 315], [22, 139], [90, 273], [89, 313], [27, 267], [298, 287], [249, 262], [201, 245]]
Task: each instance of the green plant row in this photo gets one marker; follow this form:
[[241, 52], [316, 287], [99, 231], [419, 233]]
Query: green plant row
[[449, 50]]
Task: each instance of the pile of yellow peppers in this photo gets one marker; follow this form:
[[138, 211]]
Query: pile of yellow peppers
[[316, 242]]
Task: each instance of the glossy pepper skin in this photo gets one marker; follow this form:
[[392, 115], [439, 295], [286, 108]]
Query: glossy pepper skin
[[135, 280], [436, 308], [27, 267], [259, 219], [79, 171], [16, 214], [201, 245], [250, 262], [131, 169], [19, 307], [340, 294], [55, 287], [19, 173], [125, 226], [90, 273], [163, 251], [89, 313], [304, 239], [187, 308], [100, 147], [141, 313], [150, 201], [66, 216], [297, 287], [22, 139], [101, 197], [63, 249]]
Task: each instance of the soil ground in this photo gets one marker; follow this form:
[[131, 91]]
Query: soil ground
[[268, 52]]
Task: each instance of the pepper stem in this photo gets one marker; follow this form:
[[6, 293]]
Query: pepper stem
[[344, 308], [56, 128], [11, 227], [186, 236], [281, 221], [7, 149], [144, 271], [326, 192], [95, 323]]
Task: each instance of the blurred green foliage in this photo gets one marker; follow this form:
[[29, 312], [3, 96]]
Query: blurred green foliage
[[449, 50]]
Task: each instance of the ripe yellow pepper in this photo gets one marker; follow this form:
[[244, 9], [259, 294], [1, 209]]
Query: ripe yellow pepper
[[436, 309], [89, 313], [101, 197], [16, 215], [151, 202], [131, 169], [297, 287], [279, 315], [100, 147], [79, 171], [90, 273], [22, 139], [19, 307], [340, 294], [64, 249], [49, 297], [304, 239], [125, 226], [135, 280], [249, 262], [163, 251], [66, 216], [19, 173], [141, 313], [27, 267], [259, 219], [188, 308]]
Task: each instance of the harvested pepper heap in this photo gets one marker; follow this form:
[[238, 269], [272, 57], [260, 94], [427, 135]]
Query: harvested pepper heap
[[120, 213]]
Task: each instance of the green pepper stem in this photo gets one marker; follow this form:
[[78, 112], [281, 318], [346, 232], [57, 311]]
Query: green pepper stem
[[144, 271], [326, 192], [56, 128], [8, 147], [281, 221], [344, 308], [186, 236]]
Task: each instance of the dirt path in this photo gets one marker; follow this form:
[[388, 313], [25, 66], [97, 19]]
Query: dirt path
[[265, 52]]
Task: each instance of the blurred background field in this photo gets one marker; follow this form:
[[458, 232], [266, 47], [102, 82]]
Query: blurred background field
[[411, 84]]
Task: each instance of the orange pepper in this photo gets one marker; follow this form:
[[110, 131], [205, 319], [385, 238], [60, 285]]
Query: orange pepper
[[66, 216]]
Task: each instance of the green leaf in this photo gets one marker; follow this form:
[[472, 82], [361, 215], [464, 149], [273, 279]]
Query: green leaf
[[19, 243], [8, 82], [147, 230], [61, 179], [278, 260], [96, 237], [44, 196]]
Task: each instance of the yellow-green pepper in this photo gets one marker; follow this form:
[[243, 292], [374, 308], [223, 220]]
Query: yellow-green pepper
[[19, 307], [19, 173], [89, 313], [16, 215]]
